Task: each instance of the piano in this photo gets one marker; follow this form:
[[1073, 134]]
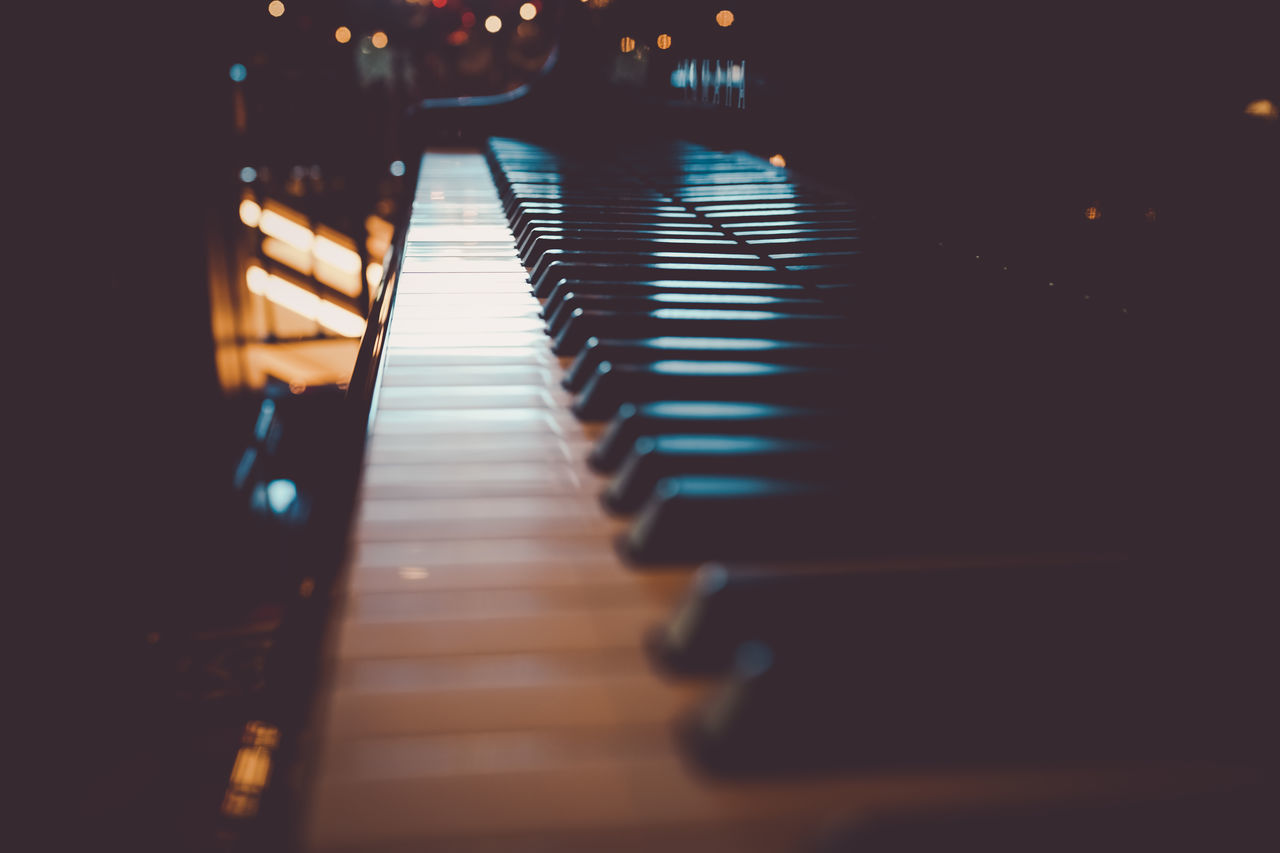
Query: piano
[[701, 508]]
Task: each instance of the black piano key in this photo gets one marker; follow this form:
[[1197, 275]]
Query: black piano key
[[582, 325], [631, 422], [640, 288], [560, 216], [1013, 662], [822, 608], [649, 350], [994, 692], [710, 243], [556, 264], [694, 518], [614, 384], [655, 458], [647, 302], [533, 196], [608, 231]]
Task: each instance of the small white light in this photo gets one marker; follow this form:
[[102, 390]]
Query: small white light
[[493, 23], [397, 168]]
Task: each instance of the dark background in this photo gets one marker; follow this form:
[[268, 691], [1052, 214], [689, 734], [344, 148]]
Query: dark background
[[992, 126]]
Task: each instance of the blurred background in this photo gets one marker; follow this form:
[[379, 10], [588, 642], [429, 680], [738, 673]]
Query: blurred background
[[233, 173]]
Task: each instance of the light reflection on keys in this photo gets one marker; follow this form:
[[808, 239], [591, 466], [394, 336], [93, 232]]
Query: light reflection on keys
[[483, 599]]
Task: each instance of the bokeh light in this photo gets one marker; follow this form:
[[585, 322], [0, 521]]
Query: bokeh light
[[724, 18], [778, 160], [342, 34], [250, 212], [493, 23], [627, 44], [528, 11], [275, 8], [378, 39], [239, 72], [664, 41], [1262, 109]]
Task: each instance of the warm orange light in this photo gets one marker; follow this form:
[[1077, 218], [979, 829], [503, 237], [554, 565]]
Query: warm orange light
[[250, 212], [724, 17], [380, 232], [332, 251], [251, 771], [457, 37], [439, 4], [275, 8], [1262, 108], [1092, 213], [255, 278], [664, 41], [778, 160], [283, 224], [303, 302], [373, 274], [342, 34], [493, 23], [290, 256], [528, 11], [378, 39], [339, 319], [627, 44]]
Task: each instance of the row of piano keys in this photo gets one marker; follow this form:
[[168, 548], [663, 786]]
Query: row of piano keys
[[710, 367]]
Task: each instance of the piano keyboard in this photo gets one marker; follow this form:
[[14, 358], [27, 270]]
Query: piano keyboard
[[494, 682]]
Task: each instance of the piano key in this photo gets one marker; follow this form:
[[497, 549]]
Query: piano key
[[599, 244], [968, 700], [637, 287], [828, 606], [531, 218], [614, 384], [607, 231], [582, 324], [645, 302], [632, 422], [653, 459], [648, 350], [691, 518], [724, 266]]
